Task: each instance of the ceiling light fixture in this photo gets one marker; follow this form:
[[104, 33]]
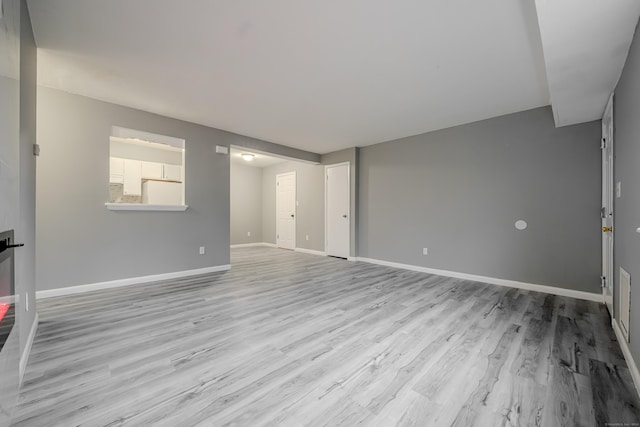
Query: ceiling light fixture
[[247, 157]]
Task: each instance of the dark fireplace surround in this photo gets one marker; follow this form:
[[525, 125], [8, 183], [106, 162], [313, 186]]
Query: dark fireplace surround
[[7, 286]]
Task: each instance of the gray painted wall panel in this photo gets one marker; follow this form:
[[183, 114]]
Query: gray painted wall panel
[[459, 192], [627, 171], [246, 204], [10, 187], [26, 256], [310, 210], [79, 240], [17, 179], [270, 147]]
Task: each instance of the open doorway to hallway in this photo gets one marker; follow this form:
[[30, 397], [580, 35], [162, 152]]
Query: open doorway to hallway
[[254, 202]]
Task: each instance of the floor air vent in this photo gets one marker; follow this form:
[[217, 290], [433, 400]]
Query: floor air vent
[[625, 304]]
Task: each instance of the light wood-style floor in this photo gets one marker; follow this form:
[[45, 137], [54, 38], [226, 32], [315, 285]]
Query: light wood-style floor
[[288, 339]]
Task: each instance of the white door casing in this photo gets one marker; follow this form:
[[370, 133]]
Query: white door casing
[[337, 210], [607, 205], [286, 210]]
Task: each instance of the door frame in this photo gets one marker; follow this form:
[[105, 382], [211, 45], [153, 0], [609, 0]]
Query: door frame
[[326, 204], [295, 209], [607, 214]]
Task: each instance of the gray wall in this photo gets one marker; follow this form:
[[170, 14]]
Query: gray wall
[[10, 188], [17, 178], [310, 210], [246, 204], [349, 155], [270, 147], [626, 139], [459, 192], [79, 240], [26, 256]]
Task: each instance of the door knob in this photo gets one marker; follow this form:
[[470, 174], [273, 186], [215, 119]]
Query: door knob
[[607, 229], [291, 215], [344, 216]]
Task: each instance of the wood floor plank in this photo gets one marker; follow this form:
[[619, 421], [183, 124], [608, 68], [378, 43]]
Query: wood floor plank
[[612, 395], [293, 339]]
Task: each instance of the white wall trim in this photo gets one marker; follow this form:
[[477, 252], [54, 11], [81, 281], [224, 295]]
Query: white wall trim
[[24, 358], [250, 245], [310, 251], [127, 282], [495, 281], [633, 368]]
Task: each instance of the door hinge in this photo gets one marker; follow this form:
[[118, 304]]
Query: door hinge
[[277, 236], [603, 212], [603, 282], [603, 143]]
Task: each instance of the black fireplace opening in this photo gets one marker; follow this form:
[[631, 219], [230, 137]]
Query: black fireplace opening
[[7, 286]]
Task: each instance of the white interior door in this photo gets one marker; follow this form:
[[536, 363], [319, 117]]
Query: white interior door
[[286, 210], [607, 206], [337, 212]]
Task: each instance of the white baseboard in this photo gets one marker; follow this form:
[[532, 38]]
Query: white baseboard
[[24, 358], [633, 368], [310, 251], [495, 281], [126, 282], [250, 245]]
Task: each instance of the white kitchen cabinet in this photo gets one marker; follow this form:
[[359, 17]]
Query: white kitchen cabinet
[[151, 170], [162, 193], [116, 170], [132, 178], [172, 172]]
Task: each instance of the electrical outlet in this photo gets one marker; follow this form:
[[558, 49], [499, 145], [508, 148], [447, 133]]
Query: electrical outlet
[[425, 251], [248, 234], [201, 250], [307, 237], [619, 189]]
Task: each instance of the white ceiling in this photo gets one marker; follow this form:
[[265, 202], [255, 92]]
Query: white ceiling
[[585, 45], [260, 159], [315, 75]]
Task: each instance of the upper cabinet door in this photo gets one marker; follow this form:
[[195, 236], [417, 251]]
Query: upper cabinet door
[[172, 172], [151, 170], [132, 178], [116, 170]]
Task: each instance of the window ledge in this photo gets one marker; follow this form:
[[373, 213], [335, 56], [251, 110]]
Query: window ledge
[[141, 207]]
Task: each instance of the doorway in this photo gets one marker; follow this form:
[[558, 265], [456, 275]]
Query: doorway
[[337, 210], [286, 210], [607, 205]]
